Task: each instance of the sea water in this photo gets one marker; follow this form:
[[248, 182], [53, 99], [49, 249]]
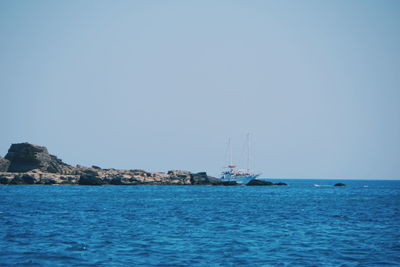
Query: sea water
[[298, 224]]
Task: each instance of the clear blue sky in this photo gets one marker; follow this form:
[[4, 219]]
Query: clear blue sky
[[161, 85]]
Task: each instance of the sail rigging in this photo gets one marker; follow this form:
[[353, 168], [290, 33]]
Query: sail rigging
[[239, 176]]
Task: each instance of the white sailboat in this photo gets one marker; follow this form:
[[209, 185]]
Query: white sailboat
[[240, 176]]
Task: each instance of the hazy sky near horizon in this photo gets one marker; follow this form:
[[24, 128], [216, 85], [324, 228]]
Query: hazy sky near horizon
[[160, 85]]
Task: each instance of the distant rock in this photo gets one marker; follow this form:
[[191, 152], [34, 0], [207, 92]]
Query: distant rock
[[24, 179], [256, 182], [201, 178], [340, 184], [124, 180], [180, 177], [228, 183], [25, 157], [214, 181], [90, 172], [4, 164], [88, 179]]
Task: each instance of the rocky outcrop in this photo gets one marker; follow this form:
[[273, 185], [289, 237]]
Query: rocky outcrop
[[339, 184], [37, 177], [180, 177], [90, 177], [256, 182], [228, 183], [24, 179], [25, 157], [4, 164], [201, 178], [26, 163]]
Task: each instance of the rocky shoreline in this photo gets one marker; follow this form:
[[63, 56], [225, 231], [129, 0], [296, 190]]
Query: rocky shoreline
[[28, 164]]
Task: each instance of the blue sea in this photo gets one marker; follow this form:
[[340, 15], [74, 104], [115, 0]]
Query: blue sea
[[294, 225]]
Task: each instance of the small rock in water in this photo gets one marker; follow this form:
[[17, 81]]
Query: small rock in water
[[256, 182], [228, 183]]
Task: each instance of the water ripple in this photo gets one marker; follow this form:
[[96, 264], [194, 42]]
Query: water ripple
[[201, 226]]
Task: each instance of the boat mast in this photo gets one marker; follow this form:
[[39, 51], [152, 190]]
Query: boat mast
[[230, 151], [248, 151]]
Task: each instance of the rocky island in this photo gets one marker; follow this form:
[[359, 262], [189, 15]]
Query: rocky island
[[26, 163]]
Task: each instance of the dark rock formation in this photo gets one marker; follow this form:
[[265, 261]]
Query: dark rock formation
[[256, 182], [25, 157], [214, 181], [6, 179], [90, 177], [4, 164], [340, 184], [90, 172], [228, 183], [24, 179], [201, 178], [121, 180], [49, 181]]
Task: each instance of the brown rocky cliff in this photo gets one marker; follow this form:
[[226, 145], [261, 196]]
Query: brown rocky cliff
[[26, 163]]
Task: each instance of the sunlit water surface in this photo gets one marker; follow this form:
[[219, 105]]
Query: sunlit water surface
[[299, 224]]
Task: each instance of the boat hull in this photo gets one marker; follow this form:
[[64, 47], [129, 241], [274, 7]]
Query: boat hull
[[240, 179]]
